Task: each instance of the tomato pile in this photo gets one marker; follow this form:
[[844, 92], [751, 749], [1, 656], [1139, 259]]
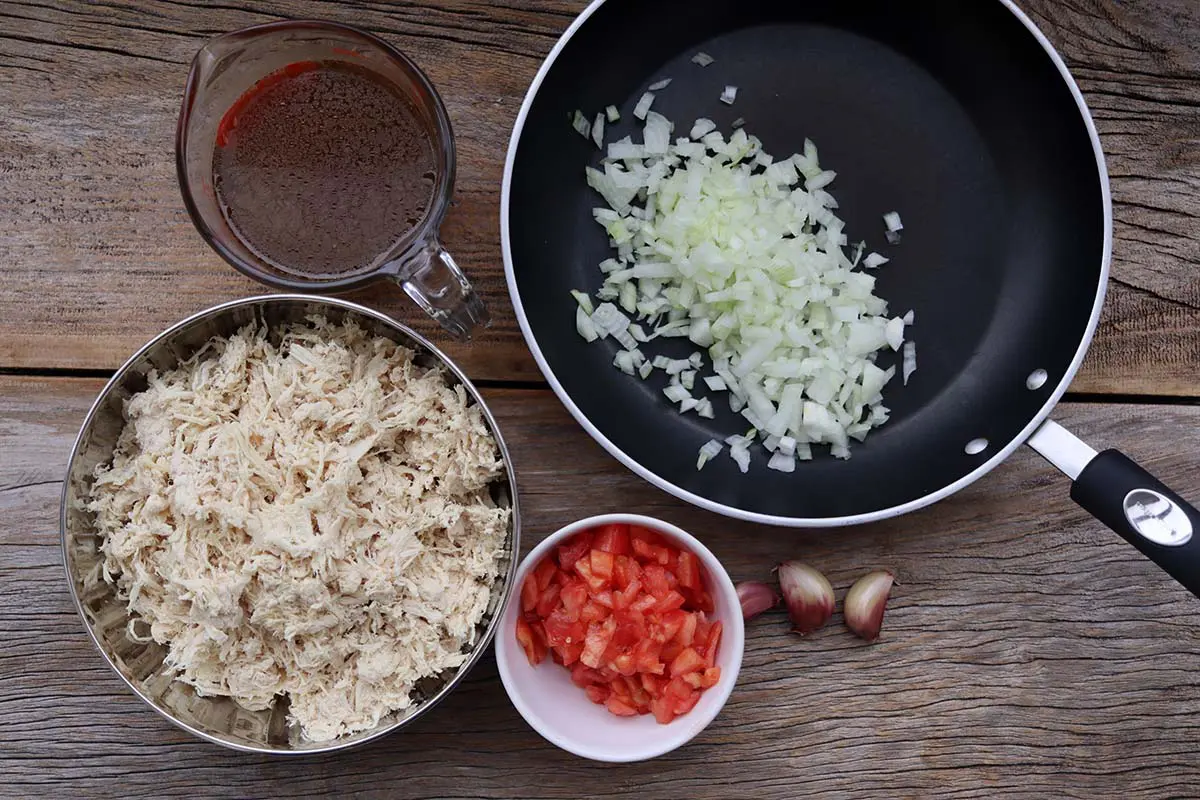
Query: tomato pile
[[626, 612]]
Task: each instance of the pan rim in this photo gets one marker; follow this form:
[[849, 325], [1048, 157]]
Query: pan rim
[[734, 512]]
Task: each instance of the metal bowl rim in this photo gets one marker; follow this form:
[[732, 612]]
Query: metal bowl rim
[[514, 557]]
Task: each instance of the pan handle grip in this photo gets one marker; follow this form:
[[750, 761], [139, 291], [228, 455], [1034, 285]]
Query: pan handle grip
[[1125, 497], [1158, 522]]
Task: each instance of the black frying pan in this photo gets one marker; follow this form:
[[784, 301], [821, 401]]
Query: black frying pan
[[958, 115]]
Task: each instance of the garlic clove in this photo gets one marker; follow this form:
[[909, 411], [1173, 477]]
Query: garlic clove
[[865, 603], [756, 597], [808, 595]]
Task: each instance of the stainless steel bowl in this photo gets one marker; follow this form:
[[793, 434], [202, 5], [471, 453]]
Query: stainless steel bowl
[[219, 719]]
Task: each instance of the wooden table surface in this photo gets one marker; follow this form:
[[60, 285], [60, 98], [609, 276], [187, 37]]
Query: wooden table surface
[[1027, 651]]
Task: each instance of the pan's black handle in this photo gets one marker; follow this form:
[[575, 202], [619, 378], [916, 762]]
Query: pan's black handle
[[1151, 517]]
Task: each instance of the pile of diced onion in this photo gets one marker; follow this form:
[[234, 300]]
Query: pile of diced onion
[[719, 243]]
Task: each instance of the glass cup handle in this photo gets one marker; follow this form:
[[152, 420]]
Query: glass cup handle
[[434, 281]]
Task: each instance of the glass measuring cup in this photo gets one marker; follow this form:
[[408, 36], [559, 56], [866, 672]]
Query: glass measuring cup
[[227, 68]]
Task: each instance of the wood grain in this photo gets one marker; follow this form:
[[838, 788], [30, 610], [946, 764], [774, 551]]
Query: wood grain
[[1027, 652], [99, 255]]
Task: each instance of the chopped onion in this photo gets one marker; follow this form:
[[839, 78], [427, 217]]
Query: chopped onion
[[741, 454], [909, 317], [782, 462], [728, 95], [624, 361], [584, 301], [659, 85], [657, 135], [909, 360], [702, 128], [612, 113], [894, 226], [737, 123], [820, 180], [874, 261], [643, 105], [895, 333], [598, 130], [703, 59], [583, 324], [709, 450], [580, 123], [742, 254], [676, 393]]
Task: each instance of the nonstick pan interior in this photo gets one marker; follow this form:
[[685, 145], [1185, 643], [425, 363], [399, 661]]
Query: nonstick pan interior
[[953, 114]]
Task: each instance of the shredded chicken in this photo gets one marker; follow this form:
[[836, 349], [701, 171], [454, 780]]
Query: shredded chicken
[[304, 514]]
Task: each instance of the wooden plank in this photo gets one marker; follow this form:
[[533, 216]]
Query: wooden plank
[[99, 255], [1026, 652]]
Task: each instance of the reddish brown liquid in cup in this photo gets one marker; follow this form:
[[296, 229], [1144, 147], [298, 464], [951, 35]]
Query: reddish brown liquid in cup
[[320, 168]]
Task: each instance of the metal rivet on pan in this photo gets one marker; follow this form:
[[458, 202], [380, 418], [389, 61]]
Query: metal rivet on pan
[[976, 446], [1036, 380]]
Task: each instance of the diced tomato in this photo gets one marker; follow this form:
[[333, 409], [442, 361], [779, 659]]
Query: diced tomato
[[670, 601], [629, 632], [647, 654], [621, 707], [602, 564], [688, 570], [529, 593], [570, 653], [574, 549], [625, 570], [582, 675], [649, 553], [703, 629], [596, 642], [688, 660], [626, 614], [525, 638], [677, 689], [625, 664], [544, 572], [687, 631], [644, 603], [539, 634], [714, 641], [669, 624], [624, 599], [584, 567], [687, 704], [562, 631], [654, 577], [612, 539], [593, 612], [620, 687], [548, 602], [663, 709], [652, 684], [645, 534], [574, 596]]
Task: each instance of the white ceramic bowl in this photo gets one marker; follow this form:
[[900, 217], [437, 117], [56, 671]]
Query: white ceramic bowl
[[561, 712]]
